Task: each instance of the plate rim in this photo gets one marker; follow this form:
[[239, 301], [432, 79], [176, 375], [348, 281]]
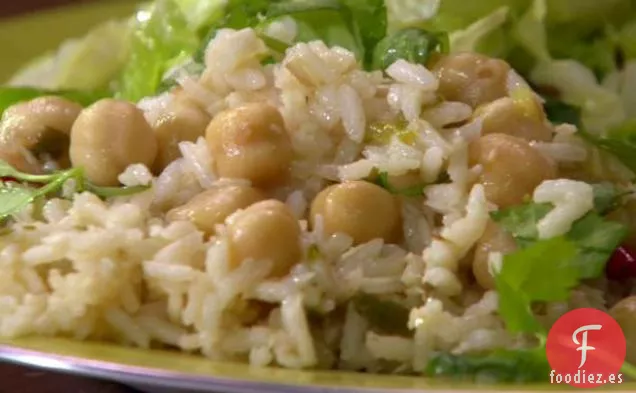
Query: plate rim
[[149, 376], [33, 352]]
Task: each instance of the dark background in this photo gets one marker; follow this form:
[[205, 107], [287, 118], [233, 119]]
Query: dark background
[[15, 7], [16, 379]]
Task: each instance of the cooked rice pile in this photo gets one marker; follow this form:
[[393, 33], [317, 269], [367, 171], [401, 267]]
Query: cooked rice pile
[[118, 271]]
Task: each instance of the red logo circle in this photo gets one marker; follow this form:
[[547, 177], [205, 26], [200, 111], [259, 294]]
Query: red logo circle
[[586, 348]]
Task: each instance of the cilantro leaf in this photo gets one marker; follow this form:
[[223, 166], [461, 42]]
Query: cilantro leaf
[[7, 170], [14, 197], [501, 366], [596, 239], [544, 271], [606, 197], [515, 309], [521, 221]]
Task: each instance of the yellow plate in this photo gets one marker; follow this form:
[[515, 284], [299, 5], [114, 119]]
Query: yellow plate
[[27, 37]]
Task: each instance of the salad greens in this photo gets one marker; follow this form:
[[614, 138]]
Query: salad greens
[[411, 44], [16, 192], [594, 237], [159, 35], [508, 366]]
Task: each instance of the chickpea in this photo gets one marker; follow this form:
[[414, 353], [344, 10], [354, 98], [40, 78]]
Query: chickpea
[[359, 209], [624, 312], [511, 168], [504, 116], [472, 78], [109, 136], [494, 239], [250, 142], [39, 127], [213, 206], [266, 230], [405, 181], [185, 122], [20, 159]]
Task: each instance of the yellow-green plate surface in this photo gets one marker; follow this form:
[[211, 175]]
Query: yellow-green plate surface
[[24, 38]]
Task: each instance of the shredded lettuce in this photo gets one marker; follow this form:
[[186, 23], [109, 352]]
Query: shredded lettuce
[[159, 35], [600, 107], [89, 63], [468, 39], [409, 13], [200, 13], [530, 31]]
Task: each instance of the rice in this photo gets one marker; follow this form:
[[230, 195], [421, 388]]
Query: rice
[[119, 270]]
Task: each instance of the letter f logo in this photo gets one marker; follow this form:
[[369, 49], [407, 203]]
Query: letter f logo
[[583, 344]]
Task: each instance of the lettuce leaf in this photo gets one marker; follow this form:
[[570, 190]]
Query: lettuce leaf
[[411, 44], [468, 39], [600, 107], [201, 13], [530, 31], [159, 35], [356, 25], [87, 63]]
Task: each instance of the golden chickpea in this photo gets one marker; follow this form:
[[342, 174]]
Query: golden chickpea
[[250, 142], [265, 230], [472, 78], [359, 209], [109, 136], [504, 116], [40, 126], [213, 206], [185, 122], [624, 312], [20, 159], [405, 181], [494, 239], [511, 168]]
